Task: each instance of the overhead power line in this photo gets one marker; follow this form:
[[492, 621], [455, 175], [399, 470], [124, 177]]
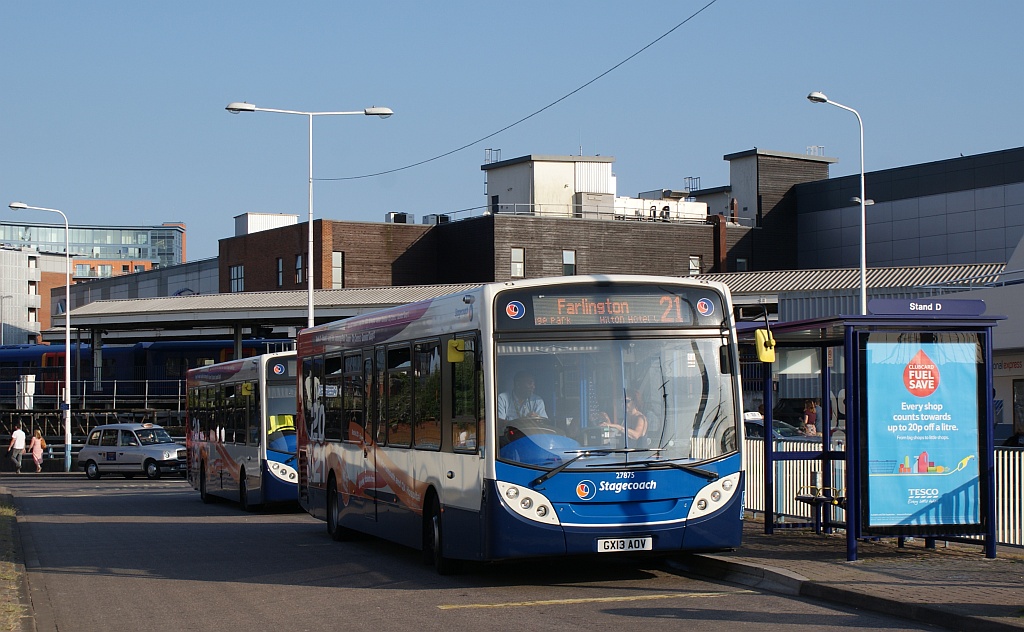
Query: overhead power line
[[533, 114]]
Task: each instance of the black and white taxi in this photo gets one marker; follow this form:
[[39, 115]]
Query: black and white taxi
[[130, 449]]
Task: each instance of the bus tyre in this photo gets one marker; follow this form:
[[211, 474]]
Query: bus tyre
[[433, 539], [337, 532], [243, 493], [92, 471], [204, 495], [152, 470]]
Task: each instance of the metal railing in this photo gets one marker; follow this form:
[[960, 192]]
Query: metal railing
[[97, 394], [794, 478], [605, 212]]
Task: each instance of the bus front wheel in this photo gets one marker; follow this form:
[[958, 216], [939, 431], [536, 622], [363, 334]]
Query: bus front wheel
[[204, 495], [243, 493], [433, 539], [337, 532]]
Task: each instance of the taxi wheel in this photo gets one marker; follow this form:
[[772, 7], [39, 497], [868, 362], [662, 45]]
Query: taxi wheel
[[92, 471], [152, 470]]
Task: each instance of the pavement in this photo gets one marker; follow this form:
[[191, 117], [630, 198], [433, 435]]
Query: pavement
[[951, 586]]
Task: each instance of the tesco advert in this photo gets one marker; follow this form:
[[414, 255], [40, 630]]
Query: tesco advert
[[923, 432]]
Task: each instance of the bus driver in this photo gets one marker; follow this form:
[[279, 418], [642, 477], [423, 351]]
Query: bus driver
[[521, 403]]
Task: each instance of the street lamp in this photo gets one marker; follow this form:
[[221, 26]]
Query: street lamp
[[818, 97], [382, 112], [2, 299], [21, 206]]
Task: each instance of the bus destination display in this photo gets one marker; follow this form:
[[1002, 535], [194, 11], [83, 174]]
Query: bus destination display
[[616, 309]]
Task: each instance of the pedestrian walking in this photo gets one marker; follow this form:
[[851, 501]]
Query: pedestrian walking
[[16, 447], [36, 447]]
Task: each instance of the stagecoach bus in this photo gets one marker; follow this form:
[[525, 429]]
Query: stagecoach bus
[[559, 416], [241, 430]]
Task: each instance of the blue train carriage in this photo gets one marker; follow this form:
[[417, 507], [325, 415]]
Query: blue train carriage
[[561, 416], [240, 435]]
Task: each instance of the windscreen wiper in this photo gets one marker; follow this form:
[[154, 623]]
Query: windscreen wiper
[[582, 453], [699, 471]]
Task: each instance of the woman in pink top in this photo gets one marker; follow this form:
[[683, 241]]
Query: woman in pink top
[[36, 446]]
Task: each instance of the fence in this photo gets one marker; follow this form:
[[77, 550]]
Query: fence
[[793, 478]]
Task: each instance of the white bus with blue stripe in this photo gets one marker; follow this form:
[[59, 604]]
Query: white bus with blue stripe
[[563, 416], [241, 430]]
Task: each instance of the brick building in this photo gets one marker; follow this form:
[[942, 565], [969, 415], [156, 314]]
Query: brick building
[[546, 216]]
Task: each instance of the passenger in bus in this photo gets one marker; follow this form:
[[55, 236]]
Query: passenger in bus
[[520, 402], [635, 425]]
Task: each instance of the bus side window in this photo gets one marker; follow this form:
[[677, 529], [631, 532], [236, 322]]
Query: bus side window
[[467, 401], [400, 392], [334, 419], [352, 398], [427, 395]]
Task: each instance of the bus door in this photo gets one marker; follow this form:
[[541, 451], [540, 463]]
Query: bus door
[[464, 390], [377, 429]]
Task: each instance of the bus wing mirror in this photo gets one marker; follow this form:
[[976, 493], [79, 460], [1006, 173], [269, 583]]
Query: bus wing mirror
[[456, 351], [765, 343]]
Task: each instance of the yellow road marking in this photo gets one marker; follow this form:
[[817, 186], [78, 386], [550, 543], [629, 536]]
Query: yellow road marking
[[563, 602]]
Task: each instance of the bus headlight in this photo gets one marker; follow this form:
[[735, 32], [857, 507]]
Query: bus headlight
[[283, 472], [527, 503], [713, 496]]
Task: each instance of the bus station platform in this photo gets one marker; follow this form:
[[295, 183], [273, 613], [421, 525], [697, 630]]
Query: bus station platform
[[951, 586]]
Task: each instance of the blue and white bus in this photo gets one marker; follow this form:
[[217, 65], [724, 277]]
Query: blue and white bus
[[559, 416], [241, 430]]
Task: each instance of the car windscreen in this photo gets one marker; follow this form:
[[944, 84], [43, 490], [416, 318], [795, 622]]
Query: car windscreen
[[153, 436]]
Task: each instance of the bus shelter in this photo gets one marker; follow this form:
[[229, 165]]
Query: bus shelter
[[905, 396]]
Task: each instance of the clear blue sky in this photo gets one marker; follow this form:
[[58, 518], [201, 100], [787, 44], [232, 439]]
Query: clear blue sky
[[114, 111]]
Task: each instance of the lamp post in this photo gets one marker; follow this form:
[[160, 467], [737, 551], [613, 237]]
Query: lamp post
[[382, 112], [818, 97], [66, 406], [2, 299]]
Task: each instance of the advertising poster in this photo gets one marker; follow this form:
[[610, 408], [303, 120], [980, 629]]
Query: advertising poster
[[923, 430]]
